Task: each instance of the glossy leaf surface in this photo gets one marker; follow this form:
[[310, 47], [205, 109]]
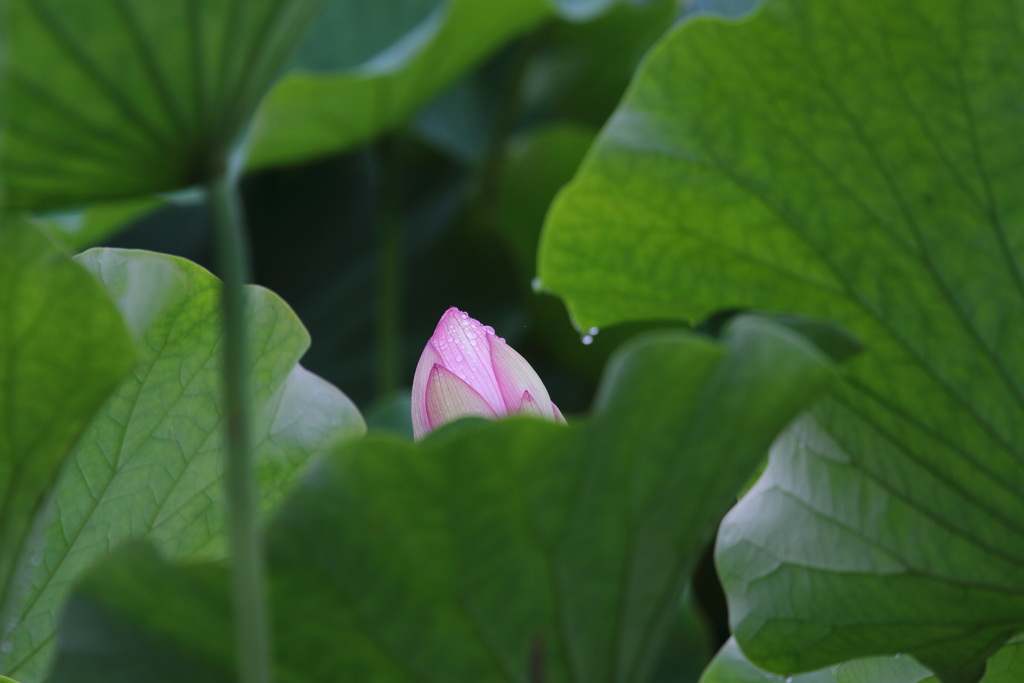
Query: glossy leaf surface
[[853, 161], [150, 464], [524, 534]]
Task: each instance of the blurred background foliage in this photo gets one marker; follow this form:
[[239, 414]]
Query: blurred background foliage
[[442, 209], [404, 163], [432, 193]]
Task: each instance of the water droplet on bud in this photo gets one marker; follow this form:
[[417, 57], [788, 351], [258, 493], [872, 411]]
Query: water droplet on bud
[[536, 285], [593, 331], [587, 339]]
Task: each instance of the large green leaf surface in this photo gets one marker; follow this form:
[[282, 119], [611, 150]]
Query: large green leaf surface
[[150, 464], [860, 161], [488, 544], [118, 98], [63, 350], [897, 579]]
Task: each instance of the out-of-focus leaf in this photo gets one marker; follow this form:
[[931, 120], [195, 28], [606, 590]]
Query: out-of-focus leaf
[[581, 70], [79, 230], [63, 350], [856, 161], [529, 540], [688, 646], [582, 10], [461, 120], [728, 8], [179, 228], [310, 115], [566, 72], [730, 666], [139, 651], [150, 463], [392, 415], [537, 165], [837, 342], [347, 34], [121, 98]]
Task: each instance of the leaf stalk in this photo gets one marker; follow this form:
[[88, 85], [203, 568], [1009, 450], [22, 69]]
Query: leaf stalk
[[248, 584]]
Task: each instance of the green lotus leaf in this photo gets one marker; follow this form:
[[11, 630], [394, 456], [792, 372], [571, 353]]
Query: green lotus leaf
[[855, 161], [150, 464], [489, 549], [63, 349], [115, 99]]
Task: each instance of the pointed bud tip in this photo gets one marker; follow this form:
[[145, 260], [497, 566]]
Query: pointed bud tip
[[528, 405]]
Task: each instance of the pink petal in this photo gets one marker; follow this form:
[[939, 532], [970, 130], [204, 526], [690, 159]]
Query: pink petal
[[463, 345], [516, 377], [449, 398], [428, 359], [529, 406], [558, 414]]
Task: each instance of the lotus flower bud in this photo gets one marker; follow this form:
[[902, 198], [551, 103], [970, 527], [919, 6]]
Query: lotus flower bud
[[467, 370]]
